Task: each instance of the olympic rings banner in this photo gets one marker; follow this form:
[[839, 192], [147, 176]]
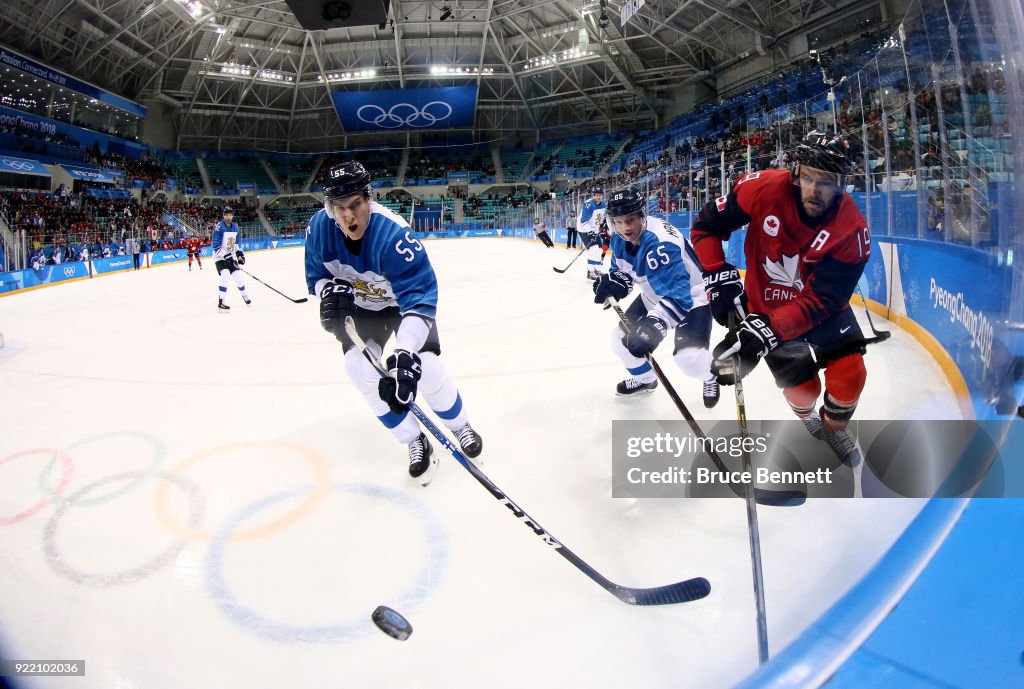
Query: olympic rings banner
[[397, 109]]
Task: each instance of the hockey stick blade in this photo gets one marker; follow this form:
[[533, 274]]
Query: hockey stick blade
[[679, 592], [294, 301], [560, 270]]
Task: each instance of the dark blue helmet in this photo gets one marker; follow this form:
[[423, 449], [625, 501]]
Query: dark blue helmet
[[228, 210], [345, 179], [625, 201]]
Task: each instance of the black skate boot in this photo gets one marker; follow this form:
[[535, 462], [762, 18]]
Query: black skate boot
[[712, 391], [470, 441], [422, 462], [222, 306], [247, 300], [633, 386]]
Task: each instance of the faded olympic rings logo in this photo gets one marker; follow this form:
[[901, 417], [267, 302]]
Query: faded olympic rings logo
[[69, 271], [17, 164], [405, 115]]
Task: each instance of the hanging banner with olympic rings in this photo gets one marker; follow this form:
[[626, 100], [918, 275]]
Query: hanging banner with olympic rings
[[447, 107]]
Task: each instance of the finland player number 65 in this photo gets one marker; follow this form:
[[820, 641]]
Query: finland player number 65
[[652, 260], [408, 252]]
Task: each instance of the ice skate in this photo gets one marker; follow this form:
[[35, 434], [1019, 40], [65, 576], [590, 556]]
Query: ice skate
[[712, 392], [222, 306], [422, 462], [635, 386], [470, 441]]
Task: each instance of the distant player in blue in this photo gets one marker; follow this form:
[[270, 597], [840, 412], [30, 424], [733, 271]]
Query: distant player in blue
[[363, 262], [654, 256], [590, 233], [227, 257]]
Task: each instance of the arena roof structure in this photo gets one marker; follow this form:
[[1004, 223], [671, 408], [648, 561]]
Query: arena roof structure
[[237, 75]]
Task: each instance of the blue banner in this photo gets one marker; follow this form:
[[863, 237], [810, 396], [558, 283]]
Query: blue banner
[[22, 166], [112, 264], [434, 108], [61, 79], [88, 174]]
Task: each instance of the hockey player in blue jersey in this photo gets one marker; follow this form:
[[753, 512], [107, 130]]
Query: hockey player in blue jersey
[[227, 256], [590, 233], [652, 255], [363, 262]]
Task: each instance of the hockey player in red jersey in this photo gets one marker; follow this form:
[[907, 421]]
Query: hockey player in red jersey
[[806, 247], [192, 246]]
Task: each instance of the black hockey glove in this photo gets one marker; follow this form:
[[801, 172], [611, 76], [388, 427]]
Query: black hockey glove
[[240, 257], [745, 345], [337, 301], [646, 336], [399, 388], [230, 262], [615, 284], [725, 293]]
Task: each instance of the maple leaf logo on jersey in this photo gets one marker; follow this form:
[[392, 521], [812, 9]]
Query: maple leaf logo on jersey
[[785, 272], [771, 225]]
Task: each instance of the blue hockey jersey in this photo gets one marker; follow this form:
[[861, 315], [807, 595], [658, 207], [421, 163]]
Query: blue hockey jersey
[[225, 239], [391, 268], [590, 215], [664, 268]]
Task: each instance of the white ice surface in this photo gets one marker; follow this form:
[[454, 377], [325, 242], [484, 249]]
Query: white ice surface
[[138, 372]]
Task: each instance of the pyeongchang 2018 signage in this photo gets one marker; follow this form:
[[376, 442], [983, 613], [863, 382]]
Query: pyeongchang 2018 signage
[[402, 109]]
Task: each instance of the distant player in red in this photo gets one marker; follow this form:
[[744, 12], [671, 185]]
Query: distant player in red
[[806, 247], [192, 246]]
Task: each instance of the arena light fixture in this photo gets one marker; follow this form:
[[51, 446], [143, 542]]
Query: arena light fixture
[[454, 70], [446, 13], [569, 55]]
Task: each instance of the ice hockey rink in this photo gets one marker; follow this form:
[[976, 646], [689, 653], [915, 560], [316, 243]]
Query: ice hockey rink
[[199, 499]]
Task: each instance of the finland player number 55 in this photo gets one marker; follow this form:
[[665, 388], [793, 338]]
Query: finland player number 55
[[408, 251]]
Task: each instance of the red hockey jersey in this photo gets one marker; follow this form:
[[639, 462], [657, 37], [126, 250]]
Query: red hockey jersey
[[799, 271]]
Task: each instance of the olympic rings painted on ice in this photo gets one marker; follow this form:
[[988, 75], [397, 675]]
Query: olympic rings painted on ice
[[405, 114], [159, 453], [321, 472], [219, 591], [67, 469], [62, 567]]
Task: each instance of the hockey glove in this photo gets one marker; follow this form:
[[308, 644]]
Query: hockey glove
[[240, 257], [337, 302], [725, 293], [615, 284], [398, 390], [743, 348], [589, 239], [230, 262], [646, 337]]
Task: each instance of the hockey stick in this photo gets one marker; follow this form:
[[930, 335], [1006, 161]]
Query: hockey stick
[[776, 498], [562, 270], [294, 301], [753, 530], [879, 335], [679, 592]]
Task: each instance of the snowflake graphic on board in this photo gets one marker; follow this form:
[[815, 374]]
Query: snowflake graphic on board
[[913, 294], [785, 272], [905, 261], [876, 278]]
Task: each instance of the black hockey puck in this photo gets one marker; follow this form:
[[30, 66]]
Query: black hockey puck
[[391, 623]]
